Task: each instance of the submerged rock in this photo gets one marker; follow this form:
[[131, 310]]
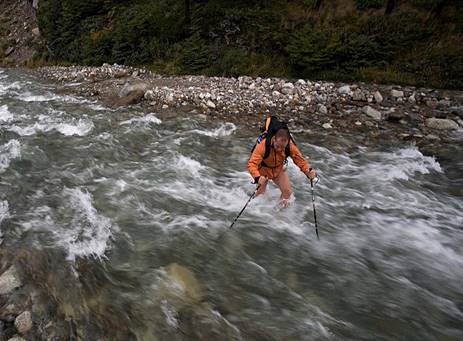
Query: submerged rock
[[205, 323], [9, 281], [23, 322], [181, 285]]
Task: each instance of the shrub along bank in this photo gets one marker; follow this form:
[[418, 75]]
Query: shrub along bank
[[417, 42]]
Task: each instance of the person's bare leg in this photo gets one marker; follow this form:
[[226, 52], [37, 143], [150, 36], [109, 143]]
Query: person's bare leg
[[283, 183]]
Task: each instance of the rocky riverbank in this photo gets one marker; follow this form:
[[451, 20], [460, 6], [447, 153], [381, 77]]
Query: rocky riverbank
[[388, 113]]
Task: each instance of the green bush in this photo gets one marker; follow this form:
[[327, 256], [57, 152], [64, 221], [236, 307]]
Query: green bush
[[396, 33], [424, 4], [366, 4], [232, 62], [83, 31], [194, 54], [312, 51], [260, 37], [309, 3]]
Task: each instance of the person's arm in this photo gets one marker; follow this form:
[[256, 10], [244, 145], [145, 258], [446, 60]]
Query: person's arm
[[255, 160], [300, 161]]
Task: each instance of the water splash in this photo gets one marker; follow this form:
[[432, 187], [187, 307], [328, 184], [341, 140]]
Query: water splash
[[224, 130], [4, 211], [72, 127], [76, 226], [150, 118], [402, 164], [5, 114], [9, 151]]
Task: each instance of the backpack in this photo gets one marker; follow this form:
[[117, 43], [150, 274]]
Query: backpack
[[271, 126]]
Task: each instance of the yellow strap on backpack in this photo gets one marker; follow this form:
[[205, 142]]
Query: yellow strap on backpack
[[267, 123]]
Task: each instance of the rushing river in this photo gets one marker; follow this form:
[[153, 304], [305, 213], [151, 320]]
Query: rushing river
[[124, 215]]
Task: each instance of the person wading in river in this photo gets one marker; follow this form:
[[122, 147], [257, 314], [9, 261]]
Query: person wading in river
[[270, 156]]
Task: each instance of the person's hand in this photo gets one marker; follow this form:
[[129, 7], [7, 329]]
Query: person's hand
[[261, 185], [311, 174]]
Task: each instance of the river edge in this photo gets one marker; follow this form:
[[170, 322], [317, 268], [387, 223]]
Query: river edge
[[374, 114]]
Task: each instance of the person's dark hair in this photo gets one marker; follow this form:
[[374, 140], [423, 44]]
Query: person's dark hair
[[280, 130], [283, 132]]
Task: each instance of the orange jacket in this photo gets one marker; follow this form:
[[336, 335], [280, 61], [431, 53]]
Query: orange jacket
[[274, 162]]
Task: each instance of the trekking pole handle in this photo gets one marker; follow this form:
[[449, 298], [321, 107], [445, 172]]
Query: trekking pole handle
[[314, 181]]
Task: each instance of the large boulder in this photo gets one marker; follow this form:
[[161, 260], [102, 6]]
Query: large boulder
[[132, 98], [130, 89], [131, 93], [397, 93], [344, 90], [373, 113], [378, 97], [288, 88], [358, 95], [441, 124]]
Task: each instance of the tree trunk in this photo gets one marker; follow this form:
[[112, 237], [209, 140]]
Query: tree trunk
[[187, 18], [439, 8], [390, 6]]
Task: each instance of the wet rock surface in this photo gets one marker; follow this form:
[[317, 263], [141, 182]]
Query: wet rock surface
[[23, 322], [9, 281]]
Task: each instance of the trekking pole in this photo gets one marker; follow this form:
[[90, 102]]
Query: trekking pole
[[250, 198], [314, 211]]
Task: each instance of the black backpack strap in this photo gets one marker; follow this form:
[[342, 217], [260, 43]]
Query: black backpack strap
[[260, 138], [268, 147]]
